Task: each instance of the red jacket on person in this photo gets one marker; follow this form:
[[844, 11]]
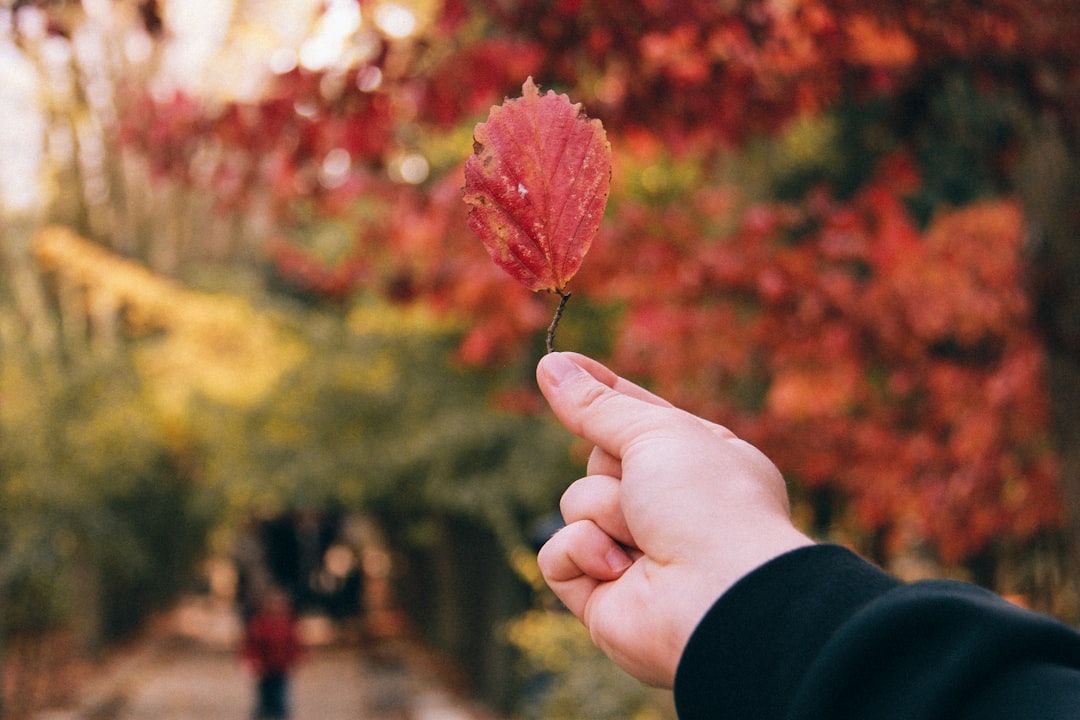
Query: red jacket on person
[[271, 643]]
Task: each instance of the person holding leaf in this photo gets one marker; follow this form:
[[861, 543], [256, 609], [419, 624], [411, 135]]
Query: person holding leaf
[[680, 556]]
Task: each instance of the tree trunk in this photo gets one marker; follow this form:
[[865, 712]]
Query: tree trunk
[[1047, 180]]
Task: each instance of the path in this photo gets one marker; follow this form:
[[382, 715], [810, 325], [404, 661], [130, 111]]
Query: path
[[333, 684], [181, 676]]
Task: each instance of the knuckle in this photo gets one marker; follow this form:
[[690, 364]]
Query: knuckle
[[594, 396], [548, 555]]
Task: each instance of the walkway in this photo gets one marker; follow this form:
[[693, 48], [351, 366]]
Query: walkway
[[181, 675]]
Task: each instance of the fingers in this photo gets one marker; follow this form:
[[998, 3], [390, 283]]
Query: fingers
[[577, 559], [602, 462], [612, 413], [596, 498]]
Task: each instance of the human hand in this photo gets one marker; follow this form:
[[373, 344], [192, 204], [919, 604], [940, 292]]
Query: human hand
[[672, 512]]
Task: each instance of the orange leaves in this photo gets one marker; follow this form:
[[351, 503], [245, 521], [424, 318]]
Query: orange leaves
[[967, 277], [872, 42], [891, 366], [537, 185], [816, 392], [959, 288]]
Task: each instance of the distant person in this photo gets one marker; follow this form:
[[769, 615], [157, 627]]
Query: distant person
[[680, 557], [253, 577], [272, 648]]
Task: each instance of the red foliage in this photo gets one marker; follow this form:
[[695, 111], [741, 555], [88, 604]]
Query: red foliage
[[332, 281], [697, 71], [477, 75]]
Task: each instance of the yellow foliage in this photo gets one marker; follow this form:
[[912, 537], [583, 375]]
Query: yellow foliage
[[810, 141], [523, 561], [216, 345], [375, 373], [231, 361], [551, 641], [379, 319]]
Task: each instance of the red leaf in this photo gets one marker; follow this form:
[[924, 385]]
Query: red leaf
[[537, 184]]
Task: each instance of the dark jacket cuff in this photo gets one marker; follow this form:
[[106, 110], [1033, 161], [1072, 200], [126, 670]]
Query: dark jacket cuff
[[752, 649]]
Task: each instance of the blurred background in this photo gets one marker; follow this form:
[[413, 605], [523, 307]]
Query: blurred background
[[246, 336]]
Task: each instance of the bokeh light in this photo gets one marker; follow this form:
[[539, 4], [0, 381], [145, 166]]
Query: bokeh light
[[335, 168], [410, 168], [396, 20]]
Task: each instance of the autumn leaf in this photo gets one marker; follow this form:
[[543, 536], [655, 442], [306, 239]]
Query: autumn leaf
[[537, 184]]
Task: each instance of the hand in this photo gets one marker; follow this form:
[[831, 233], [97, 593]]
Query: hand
[[674, 509]]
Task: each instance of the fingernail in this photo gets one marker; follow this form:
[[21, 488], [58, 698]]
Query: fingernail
[[558, 367], [618, 560]]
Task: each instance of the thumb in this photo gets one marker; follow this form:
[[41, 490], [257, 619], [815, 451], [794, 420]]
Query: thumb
[[596, 404]]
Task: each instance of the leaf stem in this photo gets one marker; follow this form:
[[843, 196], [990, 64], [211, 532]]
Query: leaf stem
[[555, 320]]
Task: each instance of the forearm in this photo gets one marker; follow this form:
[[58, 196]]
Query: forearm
[[818, 633]]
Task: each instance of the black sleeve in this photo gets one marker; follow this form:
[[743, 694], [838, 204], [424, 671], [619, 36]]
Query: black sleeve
[[819, 634]]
